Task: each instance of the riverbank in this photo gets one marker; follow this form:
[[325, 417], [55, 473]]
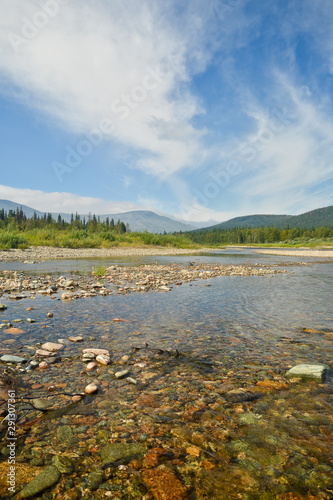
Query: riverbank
[[300, 252], [53, 253]]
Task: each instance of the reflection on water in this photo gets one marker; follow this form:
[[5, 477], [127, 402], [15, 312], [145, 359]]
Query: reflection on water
[[211, 407]]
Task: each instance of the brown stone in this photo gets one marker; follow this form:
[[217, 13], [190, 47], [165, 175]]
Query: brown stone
[[14, 330], [43, 365], [52, 347], [164, 485], [91, 389], [272, 385]]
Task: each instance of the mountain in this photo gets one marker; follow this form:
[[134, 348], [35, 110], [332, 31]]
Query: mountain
[[144, 220], [315, 218], [138, 220]]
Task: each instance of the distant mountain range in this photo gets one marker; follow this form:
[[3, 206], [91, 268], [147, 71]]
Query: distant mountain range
[[138, 220], [315, 218], [145, 220]]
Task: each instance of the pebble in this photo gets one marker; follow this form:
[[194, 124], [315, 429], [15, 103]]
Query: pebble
[[97, 352], [2, 307], [131, 380], [91, 389], [50, 346], [43, 365], [6, 358], [76, 339], [88, 355], [91, 366], [125, 452], [125, 358], [49, 315], [103, 359], [42, 352], [76, 398], [31, 320], [13, 330], [121, 374], [66, 296]]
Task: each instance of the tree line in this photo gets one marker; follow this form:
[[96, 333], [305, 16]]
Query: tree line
[[246, 235], [17, 220]]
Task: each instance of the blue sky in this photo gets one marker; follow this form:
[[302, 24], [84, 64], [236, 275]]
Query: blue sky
[[203, 110]]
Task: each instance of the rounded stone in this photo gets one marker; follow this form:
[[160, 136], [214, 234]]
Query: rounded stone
[[91, 366], [104, 359], [43, 365], [91, 389], [76, 398], [47, 478]]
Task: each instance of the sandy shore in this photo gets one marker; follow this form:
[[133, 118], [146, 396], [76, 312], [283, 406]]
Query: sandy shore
[[50, 253], [301, 252]]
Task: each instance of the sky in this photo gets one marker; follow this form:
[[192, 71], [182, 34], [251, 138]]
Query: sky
[[202, 110]]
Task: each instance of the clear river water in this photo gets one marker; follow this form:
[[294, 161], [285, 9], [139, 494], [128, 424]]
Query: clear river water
[[211, 415]]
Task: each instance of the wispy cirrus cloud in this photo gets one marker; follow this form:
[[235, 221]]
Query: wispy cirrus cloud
[[125, 61]]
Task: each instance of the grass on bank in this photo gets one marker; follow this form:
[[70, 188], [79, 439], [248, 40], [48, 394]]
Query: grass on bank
[[85, 239], [296, 243]]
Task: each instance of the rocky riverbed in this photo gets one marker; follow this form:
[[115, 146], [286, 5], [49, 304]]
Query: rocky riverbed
[[118, 279], [42, 253], [105, 409]]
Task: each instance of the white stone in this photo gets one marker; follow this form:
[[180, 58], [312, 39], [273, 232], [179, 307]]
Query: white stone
[[104, 359], [91, 366], [121, 374], [314, 371], [97, 352]]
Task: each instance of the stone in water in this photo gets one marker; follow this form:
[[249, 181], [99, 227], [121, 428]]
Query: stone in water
[[315, 371]]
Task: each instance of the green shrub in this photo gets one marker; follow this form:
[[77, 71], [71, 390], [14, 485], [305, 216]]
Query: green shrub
[[12, 240]]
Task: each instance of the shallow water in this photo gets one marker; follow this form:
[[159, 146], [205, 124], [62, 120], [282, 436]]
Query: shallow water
[[200, 342]]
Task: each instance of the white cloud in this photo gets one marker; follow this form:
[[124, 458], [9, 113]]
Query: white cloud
[[66, 202], [287, 171], [124, 61]]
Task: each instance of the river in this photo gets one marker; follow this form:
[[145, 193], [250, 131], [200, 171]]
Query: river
[[211, 414]]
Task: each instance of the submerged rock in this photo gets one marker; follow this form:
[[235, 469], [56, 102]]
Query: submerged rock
[[95, 478], [315, 371], [7, 358], [164, 485], [124, 452], [63, 464], [76, 339], [65, 433], [49, 477], [2, 307]]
